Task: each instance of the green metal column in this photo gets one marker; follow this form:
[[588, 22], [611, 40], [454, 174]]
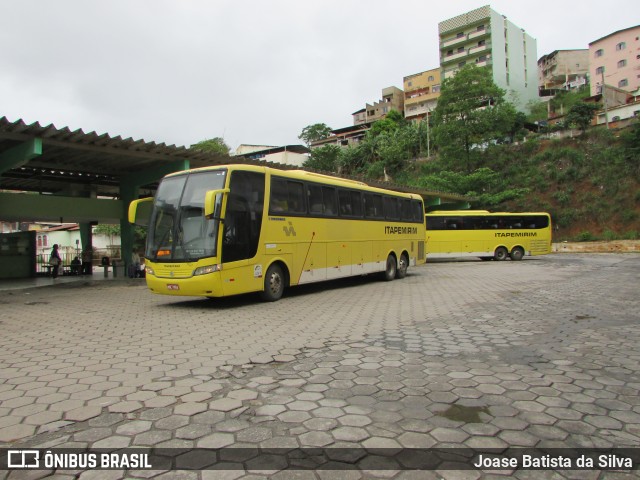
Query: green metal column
[[128, 193], [86, 238]]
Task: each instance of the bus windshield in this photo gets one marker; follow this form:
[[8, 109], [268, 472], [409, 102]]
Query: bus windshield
[[179, 230]]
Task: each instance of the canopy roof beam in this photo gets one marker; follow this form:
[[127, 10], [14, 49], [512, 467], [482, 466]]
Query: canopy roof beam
[[20, 155]]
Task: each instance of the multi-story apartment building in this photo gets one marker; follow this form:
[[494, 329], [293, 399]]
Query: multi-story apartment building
[[483, 37], [421, 92], [563, 70], [616, 59], [392, 99]]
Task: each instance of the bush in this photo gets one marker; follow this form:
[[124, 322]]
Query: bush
[[562, 197], [609, 235], [585, 237]]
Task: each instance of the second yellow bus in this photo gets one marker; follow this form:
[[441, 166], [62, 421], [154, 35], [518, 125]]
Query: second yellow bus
[[479, 233]]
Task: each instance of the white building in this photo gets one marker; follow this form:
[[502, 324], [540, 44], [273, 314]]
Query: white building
[[483, 37], [294, 155]]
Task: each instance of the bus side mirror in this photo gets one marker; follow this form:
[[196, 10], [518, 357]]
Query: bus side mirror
[[140, 211], [213, 203]]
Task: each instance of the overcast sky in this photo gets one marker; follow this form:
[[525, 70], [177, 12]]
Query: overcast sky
[[252, 72]]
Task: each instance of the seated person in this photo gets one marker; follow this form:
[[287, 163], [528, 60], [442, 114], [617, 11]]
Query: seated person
[[76, 265]]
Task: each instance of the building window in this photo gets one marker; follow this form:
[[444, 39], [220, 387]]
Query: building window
[[462, 64], [460, 49], [621, 46], [449, 53], [481, 43], [460, 35], [622, 63], [430, 78], [436, 88], [599, 70], [623, 83], [599, 53], [480, 28], [481, 58], [409, 84]]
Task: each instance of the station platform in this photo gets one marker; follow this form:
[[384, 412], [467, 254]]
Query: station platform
[[45, 281]]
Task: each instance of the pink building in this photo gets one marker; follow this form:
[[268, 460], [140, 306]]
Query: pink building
[[617, 57]]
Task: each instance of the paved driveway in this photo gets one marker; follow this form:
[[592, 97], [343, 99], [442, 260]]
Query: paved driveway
[[538, 353]]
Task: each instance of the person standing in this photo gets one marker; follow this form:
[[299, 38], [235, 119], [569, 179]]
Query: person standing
[[55, 261]]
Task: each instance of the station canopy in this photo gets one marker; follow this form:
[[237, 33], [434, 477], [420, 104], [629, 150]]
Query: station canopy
[[48, 160]]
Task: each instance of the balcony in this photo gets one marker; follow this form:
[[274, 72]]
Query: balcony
[[479, 33], [453, 41], [455, 56], [478, 49]]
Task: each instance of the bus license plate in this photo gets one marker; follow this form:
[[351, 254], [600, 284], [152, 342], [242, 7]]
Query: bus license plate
[[173, 286]]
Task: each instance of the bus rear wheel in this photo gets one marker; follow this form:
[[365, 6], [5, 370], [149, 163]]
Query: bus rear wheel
[[500, 254], [403, 265], [390, 271], [273, 284], [517, 254]]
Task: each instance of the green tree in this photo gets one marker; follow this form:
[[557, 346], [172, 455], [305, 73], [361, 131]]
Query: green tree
[[315, 132], [471, 112], [581, 115], [324, 158], [487, 187], [538, 111], [213, 145]]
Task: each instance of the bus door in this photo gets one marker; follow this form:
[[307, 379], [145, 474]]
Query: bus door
[[241, 233]]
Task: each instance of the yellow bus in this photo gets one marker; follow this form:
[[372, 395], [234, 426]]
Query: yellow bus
[[233, 229], [479, 233]]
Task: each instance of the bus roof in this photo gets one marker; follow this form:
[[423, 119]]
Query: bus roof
[[304, 175], [462, 213]]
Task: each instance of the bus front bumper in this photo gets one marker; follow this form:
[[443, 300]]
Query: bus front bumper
[[208, 285]]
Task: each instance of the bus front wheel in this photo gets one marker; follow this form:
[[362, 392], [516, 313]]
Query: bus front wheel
[[501, 253], [403, 265], [517, 254], [273, 284], [390, 272]]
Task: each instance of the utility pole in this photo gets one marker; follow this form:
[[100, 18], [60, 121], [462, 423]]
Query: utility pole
[[604, 97]]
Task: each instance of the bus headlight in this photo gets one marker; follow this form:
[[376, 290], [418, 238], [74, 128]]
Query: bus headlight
[[149, 271], [207, 269]]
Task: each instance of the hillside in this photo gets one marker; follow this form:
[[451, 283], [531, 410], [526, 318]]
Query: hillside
[[590, 183]]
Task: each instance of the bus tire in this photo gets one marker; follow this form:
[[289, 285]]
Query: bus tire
[[392, 268], [517, 253], [403, 265], [500, 254], [273, 284]]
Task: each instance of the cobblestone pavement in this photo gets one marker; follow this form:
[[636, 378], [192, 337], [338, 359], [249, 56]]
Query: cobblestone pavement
[[543, 352]]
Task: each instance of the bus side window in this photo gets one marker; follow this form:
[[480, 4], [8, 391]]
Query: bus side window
[[329, 200], [314, 192], [278, 202], [356, 204], [344, 200], [369, 207], [296, 197]]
